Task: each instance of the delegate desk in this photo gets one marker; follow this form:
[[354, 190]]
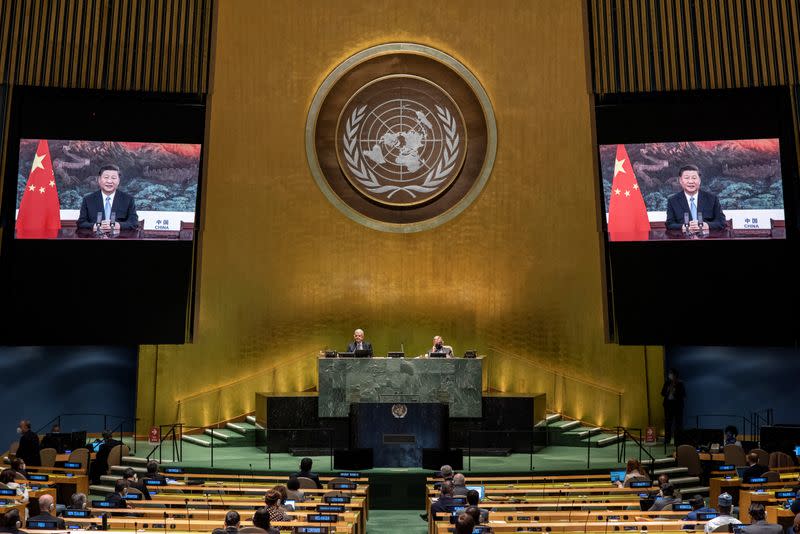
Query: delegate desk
[[454, 381]]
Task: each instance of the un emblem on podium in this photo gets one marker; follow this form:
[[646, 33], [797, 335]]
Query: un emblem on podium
[[399, 411], [401, 137]]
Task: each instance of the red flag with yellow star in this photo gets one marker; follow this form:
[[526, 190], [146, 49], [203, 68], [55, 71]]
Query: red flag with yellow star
[[39, 214], [627, 214]]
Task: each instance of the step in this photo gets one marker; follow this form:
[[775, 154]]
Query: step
[[669, 460], [230, 437], [552, 418], [683, 481], [564, 426], [687, 493], [120, 468], [134, 460], [203, 441], [244, 429], [670, 471], [252, 420], [604, 440], [574, 438], [101, 489]]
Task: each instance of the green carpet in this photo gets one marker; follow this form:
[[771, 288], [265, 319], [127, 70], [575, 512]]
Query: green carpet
[[548, 460], [393, 521]]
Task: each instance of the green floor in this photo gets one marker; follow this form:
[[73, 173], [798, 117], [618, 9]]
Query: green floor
[[548, 460], [393, 521]]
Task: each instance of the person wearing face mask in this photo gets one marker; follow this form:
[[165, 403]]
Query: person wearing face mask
[[28, 448], [674, 394], [440, 348]]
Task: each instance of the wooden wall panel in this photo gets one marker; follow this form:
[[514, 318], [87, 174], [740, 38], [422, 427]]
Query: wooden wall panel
[[664, 45], [135, 45]]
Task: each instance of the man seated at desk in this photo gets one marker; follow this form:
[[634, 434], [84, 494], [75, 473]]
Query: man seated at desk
[[440, 348], [359, 343]]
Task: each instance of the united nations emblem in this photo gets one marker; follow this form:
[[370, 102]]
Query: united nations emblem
[[401, 137], [399, 411], [401, 140]]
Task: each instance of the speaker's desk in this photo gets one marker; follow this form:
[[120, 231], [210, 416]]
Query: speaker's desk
[[454, 381]]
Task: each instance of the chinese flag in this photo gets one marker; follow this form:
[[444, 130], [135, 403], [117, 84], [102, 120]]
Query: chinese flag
[[40, 211], [627, 214]]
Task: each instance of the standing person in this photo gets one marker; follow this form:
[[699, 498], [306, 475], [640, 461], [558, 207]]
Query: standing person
[[28, 448], [674, 394]]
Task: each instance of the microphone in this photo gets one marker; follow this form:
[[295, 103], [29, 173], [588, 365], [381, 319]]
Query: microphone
[[99, 221], [208, 506], [700, 220], [221, 500], [113, 220], [251, 473], [188, 515], [686, 220], [165, 522], [402, 349], [240, 481], [571, 507], [558, 500]]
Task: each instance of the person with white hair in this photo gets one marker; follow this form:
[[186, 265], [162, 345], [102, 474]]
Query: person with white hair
[[359, 343], [459, 485]]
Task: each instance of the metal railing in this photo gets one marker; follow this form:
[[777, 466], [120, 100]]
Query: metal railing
[[530, 442], [625, 434], [119, 422], [175, 431]]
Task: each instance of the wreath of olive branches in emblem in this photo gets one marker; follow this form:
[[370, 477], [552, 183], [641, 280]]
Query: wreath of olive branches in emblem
[[437, 175]]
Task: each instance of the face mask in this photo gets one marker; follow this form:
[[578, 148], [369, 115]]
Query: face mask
[[438, 345], [671, 377], [19, 430]]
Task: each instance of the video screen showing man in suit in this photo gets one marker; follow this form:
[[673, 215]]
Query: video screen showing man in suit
[[110, 205], [81, 189], [693, 210], [676, 190]]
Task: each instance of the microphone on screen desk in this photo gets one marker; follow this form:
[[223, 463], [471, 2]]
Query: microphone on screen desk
[[188, 515], [686, 221], [99, 222], [165, 522]]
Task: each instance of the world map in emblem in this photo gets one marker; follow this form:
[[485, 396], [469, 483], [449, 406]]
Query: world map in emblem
[[401, 140]]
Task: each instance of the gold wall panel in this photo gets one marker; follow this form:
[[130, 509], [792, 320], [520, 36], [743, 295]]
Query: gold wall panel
[[284, 274]]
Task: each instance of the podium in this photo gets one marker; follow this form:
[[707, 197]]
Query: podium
[[398, 432]]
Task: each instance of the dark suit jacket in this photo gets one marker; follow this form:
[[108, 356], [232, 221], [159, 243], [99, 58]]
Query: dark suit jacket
[[754, 471], [118, 500], [762, 527], [44, 516], [139, 485], [707, 204], [441, 505], [352, 346], [99, 465], [680, 393], [28, 448], [123, 205]]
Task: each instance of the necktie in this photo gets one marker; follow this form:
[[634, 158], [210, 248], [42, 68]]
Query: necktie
[[360, 346], [108, 208], [693, 208]]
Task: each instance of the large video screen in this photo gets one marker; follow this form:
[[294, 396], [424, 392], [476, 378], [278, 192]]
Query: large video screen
[[79, 189], [691, 190]]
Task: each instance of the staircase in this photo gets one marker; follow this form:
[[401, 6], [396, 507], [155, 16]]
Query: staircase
[[687, 485], [572, 433], [242, 434]]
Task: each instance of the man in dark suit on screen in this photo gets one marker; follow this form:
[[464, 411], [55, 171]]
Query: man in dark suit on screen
[[106, 201], [692, 201]]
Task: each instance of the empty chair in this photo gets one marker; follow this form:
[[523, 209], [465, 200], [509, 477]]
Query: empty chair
[[338, 480], [80, 456], [686, 456], [48, 457], [780, 459], [116, 454], [763, 457], [734, 455], [772, 476], [306, 483]]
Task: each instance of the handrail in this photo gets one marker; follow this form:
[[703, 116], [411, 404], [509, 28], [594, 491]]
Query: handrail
[[265, 371], [163, 437], [622, 447], [123, 420], [532, 433], [557, 372]]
